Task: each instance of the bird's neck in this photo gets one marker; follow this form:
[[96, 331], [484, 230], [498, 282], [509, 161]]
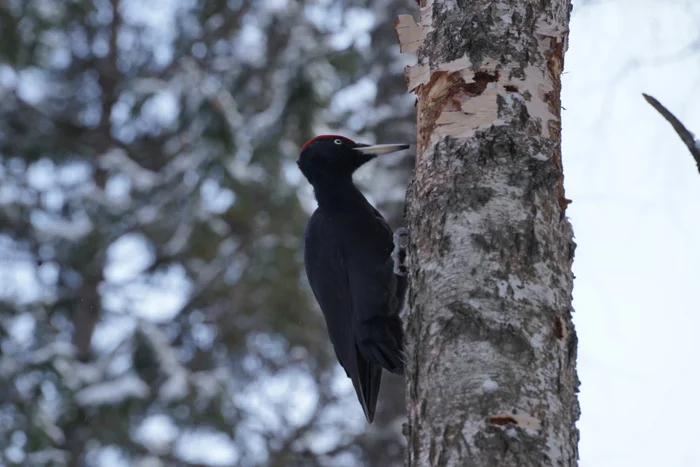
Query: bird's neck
[[338, 195]]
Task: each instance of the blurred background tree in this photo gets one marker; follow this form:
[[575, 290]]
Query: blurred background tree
[[153, 306]]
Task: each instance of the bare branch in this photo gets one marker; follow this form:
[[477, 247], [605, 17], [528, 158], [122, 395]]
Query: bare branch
[[686, 136]]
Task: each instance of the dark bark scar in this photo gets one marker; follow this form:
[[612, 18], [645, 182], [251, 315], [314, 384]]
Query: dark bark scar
[[502, 420], [558, 328], [555, 66], [523, 421]]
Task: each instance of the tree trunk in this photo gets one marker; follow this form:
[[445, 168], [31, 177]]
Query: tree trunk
[[491, 348]]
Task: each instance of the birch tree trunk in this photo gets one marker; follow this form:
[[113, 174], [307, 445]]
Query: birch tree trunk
[[491, 347]]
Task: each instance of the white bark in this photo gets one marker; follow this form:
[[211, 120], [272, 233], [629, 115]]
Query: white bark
[[491, 348]]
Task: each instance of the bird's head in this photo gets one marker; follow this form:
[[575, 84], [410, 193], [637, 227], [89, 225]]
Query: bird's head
[[335, 158]]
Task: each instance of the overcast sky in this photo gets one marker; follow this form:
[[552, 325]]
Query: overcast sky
[[636, 218]]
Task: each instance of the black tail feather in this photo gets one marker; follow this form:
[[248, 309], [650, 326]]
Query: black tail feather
[[381, 342], [366, 382]]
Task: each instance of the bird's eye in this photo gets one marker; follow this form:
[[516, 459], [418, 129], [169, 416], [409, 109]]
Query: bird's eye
[[337, 141]]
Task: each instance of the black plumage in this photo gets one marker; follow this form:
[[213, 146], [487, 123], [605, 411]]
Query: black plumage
[[349, 264]]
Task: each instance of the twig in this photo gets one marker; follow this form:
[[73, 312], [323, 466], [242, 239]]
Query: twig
[[686, 136]]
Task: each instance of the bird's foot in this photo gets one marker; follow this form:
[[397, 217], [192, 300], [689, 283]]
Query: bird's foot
[[399, 253]]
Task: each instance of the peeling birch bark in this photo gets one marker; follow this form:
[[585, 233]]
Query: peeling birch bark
[[491, 348]]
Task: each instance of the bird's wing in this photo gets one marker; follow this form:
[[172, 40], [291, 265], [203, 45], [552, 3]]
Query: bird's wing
[[326, 270], [374, 290]]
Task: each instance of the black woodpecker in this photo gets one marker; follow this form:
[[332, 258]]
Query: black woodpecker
[[354, 264]]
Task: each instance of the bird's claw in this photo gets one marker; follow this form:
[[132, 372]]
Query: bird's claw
[[401, 238], [399, 253]]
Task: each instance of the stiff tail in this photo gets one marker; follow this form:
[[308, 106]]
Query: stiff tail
[[380, 340], [366, 382]]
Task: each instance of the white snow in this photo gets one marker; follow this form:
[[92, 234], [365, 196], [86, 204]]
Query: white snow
[[117, 189], [40, 175], [110, 455], [117, 160], [157, 432], [74, 173], [215, 197], [163, 108], [9, 367], [207, 447], [180, 239], [159, 297], [359, 94], [287, 396], [112, 331], [8, 79], [149, 461], [72, 230], [502, 288], [49, 456], [49, 428], [51, 351], [127, 257], [21, 329], [15, 454], [207, 384], [113, 392], [33, 85], [147, 214], [489, 386], [175, 388]]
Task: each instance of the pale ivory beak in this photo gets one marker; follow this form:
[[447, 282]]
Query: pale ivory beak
[[379, 149]]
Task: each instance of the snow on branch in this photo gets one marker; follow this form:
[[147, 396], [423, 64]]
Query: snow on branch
[[113, 392], [686, 136]]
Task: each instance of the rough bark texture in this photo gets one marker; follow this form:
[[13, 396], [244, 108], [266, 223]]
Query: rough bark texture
[[491, 345]]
